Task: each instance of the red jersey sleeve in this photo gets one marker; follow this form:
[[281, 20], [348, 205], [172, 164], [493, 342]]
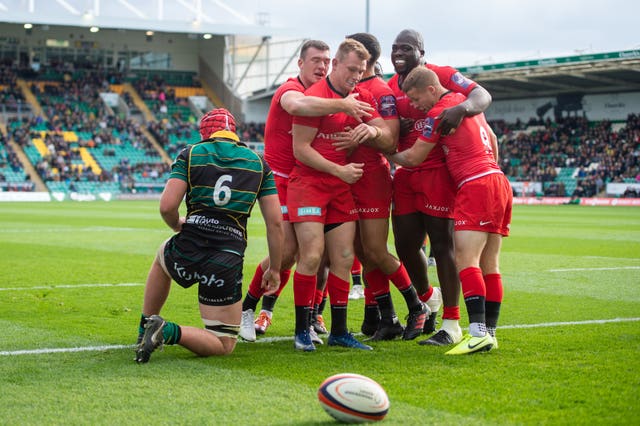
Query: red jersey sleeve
[[453, 80]]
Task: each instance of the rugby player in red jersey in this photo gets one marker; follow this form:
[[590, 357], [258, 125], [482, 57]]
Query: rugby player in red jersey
[[319, 199], [372, 195], [483, 202], [423, 195], [289, 100]]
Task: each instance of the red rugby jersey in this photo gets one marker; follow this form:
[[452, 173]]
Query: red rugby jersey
[[330, 124], [278, 141], [452, 80], [468, 151]]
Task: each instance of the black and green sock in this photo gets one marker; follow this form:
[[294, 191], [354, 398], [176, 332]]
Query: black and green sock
[[171, 333]]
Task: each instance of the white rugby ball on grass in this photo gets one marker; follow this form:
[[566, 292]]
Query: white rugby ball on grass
[[353, 398]]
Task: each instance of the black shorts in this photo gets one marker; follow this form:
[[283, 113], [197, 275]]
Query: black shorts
[[217, 273]]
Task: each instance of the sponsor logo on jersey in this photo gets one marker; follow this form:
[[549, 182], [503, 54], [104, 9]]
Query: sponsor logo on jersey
[[427, 131], [368, 210], [208, 280], [388, 106], [321, 135], [436, 208]]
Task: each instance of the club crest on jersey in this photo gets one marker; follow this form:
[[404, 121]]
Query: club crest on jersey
[[418, 125], [461, 80]]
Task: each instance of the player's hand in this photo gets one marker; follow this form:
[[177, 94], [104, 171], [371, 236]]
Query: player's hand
[[406, 125], [270, 281], [351, 172], [450, 119], [181, 222], [355, 108], [344, 140], [363, 132]]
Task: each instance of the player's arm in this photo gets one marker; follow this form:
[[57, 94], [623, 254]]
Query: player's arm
[[413, 156], [477, 101], [272, 215], [494, 144], [170, 201], [303, 151], [376, 134], [296, 103]]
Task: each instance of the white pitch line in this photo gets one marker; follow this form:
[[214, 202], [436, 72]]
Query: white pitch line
[[556, 324], [593, 269], [285, 338], [65, 350], [52, 287]]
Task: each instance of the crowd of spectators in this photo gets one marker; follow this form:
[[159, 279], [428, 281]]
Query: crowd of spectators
[[535, 151], [598, 153], [11, 98], [10, 164], [63, 162]]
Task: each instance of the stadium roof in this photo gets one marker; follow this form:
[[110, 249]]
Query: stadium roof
[[611, 72], [181, 16]]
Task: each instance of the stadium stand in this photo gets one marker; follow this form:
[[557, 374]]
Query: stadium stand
[[79, 143], [82, 112], [572, 156]]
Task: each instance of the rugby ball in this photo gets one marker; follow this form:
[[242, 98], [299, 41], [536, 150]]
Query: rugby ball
[[353, 398]]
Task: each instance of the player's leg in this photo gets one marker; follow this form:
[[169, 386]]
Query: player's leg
[[440, 230], [156, 290], [409, 231], [489, 263], [357, 289], [310, 236], [220, 334], [468, 248], [339, 240], [320, 298], [220, 309], [249, 327], [374, 235], [371, 319]]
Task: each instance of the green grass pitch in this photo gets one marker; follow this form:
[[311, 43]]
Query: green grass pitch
[[71, 285]]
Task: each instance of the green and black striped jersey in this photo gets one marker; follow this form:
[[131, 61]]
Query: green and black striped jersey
[[225, 178]]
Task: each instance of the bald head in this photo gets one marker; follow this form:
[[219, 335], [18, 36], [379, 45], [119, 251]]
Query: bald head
[[411, 37]]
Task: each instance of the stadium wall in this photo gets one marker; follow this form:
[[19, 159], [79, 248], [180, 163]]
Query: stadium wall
[[105, 197], [611, 106], [45, 42]]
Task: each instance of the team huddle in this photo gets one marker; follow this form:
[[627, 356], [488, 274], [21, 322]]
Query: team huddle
[[344, 152]]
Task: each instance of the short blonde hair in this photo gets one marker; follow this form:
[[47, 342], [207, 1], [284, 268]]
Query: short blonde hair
[[419, 78], [350, 45]]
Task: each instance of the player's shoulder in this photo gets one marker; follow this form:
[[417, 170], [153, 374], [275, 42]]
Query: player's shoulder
[[380, 87], [447, 101], [319, 88], [393, 81], [292, 83], [444, 72]]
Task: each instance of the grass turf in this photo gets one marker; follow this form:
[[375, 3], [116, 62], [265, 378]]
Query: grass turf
[[71, 284]]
